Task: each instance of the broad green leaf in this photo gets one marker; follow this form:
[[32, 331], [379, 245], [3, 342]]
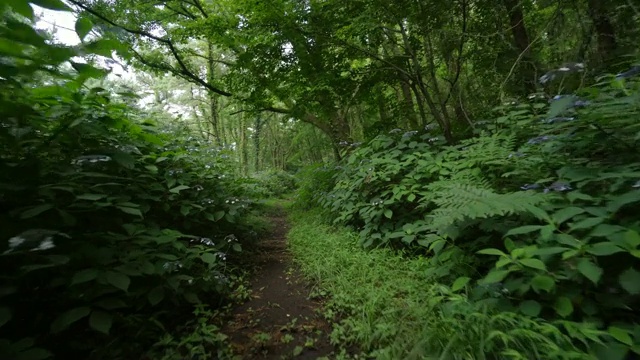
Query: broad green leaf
[[156, 295], [606, 230], [83, 276], [100, 321], [503, 261], [590, 270], [491, 252], [91, 197], [119, 280], [604, 249], [523, 230], [388, 213], [495, 276], [569, 254], [5, 315], [51, 4], [218, 215], [538, 213], [566, 214], [632, 238], [83, 27], [460, 283], [586, 223], [411, 197], [22, 7], [621, 335], [543, 282], [533, 263], [130, 210], [563, 306], [237, 247], [630, 281], [545, 251], [530, 307], [69, 317], [178, 188], [568, 240], [619, 201], [509, 245], [35, 211], [209, 258], [89, 71]]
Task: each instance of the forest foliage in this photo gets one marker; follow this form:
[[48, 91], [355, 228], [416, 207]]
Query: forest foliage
[[543, 225], [492, 144]]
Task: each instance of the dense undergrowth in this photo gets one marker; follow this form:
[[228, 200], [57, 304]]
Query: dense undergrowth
[[530, 227], [122, 232], [389, 307]]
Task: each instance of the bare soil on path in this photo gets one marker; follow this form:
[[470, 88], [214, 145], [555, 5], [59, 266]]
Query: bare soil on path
[[279, 321]]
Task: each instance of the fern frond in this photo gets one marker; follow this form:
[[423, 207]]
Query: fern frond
[[458, 201]]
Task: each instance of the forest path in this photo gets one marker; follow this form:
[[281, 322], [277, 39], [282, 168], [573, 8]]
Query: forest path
[[279, 321]]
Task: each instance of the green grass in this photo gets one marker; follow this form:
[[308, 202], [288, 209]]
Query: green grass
[[385, 305]]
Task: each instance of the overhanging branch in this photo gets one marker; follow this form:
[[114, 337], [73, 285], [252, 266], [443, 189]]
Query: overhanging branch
[[183, 71]]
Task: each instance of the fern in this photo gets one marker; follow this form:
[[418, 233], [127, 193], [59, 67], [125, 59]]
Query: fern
[[457, 201]]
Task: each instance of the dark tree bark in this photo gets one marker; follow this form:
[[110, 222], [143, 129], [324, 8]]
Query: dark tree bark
[[604, 31], [527, 68]]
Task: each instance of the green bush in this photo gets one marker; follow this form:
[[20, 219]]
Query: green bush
[[536, 214], [387, 305], [272, 183], [315, 182], [116, 227]]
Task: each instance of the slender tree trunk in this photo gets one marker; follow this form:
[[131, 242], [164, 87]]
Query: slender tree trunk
[[605, 33], [244, 147], [527, 68], [408, 100], [213, 103], [256, 141]]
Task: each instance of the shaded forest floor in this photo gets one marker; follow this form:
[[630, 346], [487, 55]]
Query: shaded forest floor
[[279, 321]]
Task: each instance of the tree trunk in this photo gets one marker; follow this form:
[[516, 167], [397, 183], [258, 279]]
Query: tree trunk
[[408, 100], [256, 142], [213, 103], [605, 33], [527, 68]]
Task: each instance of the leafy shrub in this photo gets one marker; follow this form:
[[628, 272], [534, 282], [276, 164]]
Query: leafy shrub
[[411, 316], [116, 227], [273, 183], [315, 182], [542, 224]]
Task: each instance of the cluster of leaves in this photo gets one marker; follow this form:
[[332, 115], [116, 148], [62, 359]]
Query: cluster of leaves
[[272, 183], [545, 224], [111, 228], [314, 184]]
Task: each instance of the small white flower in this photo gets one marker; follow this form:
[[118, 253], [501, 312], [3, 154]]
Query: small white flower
[[46, 244], [16, 241]]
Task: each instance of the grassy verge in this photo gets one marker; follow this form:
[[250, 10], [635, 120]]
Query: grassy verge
[[386, 305]]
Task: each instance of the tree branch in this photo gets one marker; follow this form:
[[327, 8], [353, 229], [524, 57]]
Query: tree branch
[[198, 5], [184, 71]]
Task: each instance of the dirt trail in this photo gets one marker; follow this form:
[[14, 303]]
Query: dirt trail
[[279, 321]]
